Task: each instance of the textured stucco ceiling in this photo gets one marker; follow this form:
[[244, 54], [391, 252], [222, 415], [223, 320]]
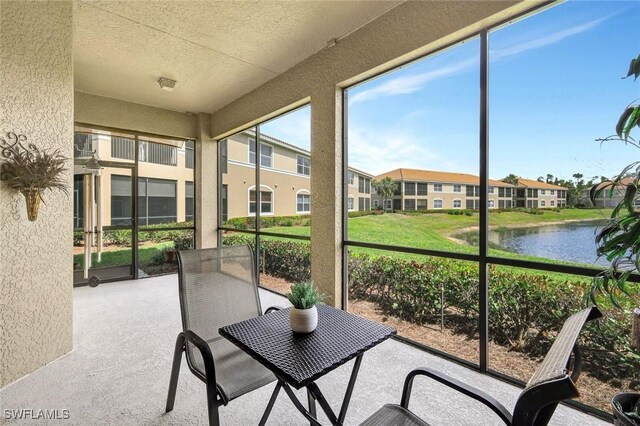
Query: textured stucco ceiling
[[217, 51]]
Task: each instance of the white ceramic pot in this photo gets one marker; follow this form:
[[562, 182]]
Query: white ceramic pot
[[303, 320]]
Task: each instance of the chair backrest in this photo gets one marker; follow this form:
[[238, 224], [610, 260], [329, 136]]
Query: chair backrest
[[552, 382], [217, 287]]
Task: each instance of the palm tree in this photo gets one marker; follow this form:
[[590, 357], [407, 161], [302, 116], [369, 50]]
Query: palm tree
[[511, 178], [385, 188]]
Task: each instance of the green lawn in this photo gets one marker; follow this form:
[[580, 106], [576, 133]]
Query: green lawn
[[429, 231]]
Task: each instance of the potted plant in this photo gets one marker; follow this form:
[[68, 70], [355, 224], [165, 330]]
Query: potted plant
[[619, 242], [304, 316], [30, 171]]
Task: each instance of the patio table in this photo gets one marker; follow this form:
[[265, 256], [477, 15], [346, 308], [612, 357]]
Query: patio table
[[299, 360]]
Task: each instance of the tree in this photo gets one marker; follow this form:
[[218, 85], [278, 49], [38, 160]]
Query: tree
[[549, 178], [385, 188], [511, 178]]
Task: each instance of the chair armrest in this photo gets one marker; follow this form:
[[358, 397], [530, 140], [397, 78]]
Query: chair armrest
[[271, 309], [205, 351], [457, 385]]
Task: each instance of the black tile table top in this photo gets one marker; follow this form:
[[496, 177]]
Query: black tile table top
[[302, 359]]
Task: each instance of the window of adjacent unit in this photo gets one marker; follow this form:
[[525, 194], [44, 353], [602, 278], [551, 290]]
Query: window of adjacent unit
[[409, 204], [351, 201], [303, 203], [543, 192], [421, 188], [225, 202], [469, 205], [188, 201], [409, 189], [157, 201], [508, 192], [542, 203], [491, 204], [552, 191], [469, 190], [422, 205], [224, 156], [376, 204], [352, 179], [304, 165], [398, 190], [457, 188], [364, 203], [553, 203], [457, 204], [266, 154], [364, 185], [265, 201], [437, 204], [491, 190], [501, 192], [437, 187], [120, 200]]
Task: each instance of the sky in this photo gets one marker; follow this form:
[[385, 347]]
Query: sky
[[555, 86]]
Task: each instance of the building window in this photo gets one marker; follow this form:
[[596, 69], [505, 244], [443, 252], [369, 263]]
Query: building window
[[422, 205], [303, 203], [437, 204], [437, 187], [470, 205], [457, 188], [351, 203], [157, 201], [224, 156], [501, 192], [491, 204], [376, 204], [120, 200], [189, 154], [542, 203], [352, 179], [422, 188], [225, 203], [266, 201], [398, 190], [501, 204], [409, 188], [364, 185], [188, 201], [552, 191], [491, 190], [409, 204], [457, 204], [304, 165], [266, 154], [552, 203], [542, 192], [469, 191], [507, 192]]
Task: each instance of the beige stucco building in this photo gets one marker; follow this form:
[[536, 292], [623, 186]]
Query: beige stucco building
[[285, 178], [433, 190]]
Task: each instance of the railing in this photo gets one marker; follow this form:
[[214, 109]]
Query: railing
[[150, 152], [123, 148]]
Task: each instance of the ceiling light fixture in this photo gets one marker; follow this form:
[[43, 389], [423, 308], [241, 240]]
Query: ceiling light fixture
[[166, 84]]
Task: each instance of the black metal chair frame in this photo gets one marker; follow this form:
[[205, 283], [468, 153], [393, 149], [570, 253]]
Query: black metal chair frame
[[535, 405], [215, 397]]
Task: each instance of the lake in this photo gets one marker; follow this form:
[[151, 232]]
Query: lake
[[572, 242]]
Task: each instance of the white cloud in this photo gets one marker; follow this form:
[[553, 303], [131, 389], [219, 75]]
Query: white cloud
[[379, 152], [548, 39], [411, 83]]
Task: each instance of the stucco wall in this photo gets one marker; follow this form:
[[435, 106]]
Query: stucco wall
[[36, 99], [409, 30], [108, 112]]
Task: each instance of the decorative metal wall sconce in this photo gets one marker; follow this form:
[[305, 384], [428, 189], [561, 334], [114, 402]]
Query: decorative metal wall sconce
[[30, 170]]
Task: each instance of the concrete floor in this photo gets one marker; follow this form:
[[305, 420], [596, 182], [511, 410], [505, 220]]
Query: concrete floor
[[118, 373]]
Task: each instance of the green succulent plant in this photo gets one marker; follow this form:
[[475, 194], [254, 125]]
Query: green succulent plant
[[304, 295]]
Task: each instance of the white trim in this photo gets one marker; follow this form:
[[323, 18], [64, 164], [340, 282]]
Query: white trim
[[258, 201], [441, 203], [353, 207], [433, 186], [454, 203], [268, 169], [303, 192], [306, 158], [258, 154]]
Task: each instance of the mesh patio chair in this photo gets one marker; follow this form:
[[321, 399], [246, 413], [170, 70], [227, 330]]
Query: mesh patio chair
[[217, 288], [551, 384]]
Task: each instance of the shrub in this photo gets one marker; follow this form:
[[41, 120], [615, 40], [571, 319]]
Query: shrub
[[365, 213], [183, 242]]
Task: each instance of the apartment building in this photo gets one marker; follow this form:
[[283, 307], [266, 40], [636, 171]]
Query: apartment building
[[535, 194], [608, 197], [165, 179], [429, 189], [285, 178]]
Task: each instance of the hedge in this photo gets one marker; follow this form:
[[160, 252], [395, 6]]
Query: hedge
[[526, 310], [122, 237]]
